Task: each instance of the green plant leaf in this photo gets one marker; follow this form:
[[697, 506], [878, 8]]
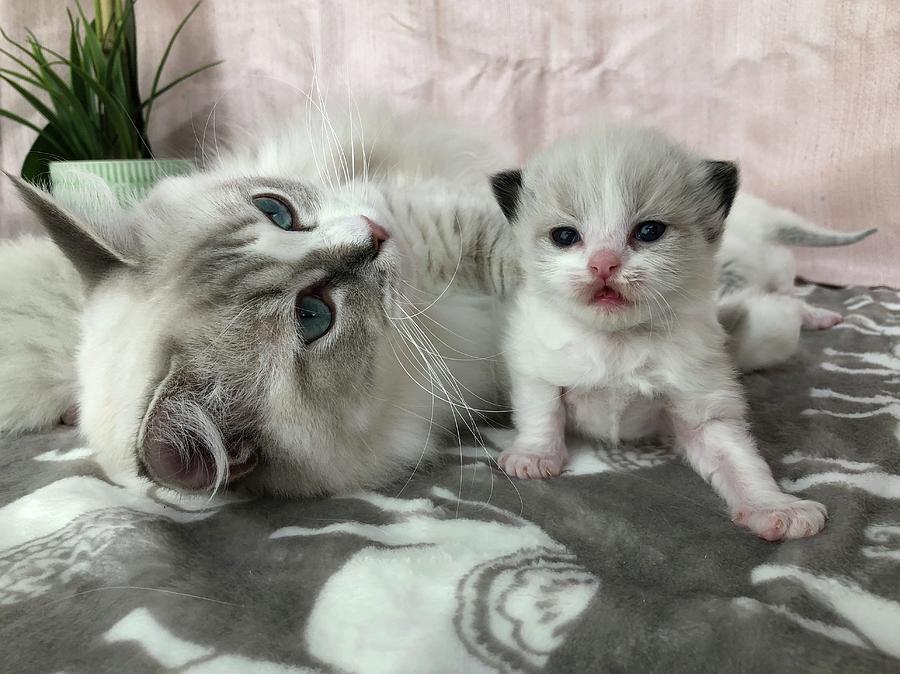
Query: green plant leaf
[[88, 102], [34, 127], [36, 167], [93, 109], [135, 105], [179, 80], [120, 121], [19, 120], [32, 100], [162, 63], [78, 121]]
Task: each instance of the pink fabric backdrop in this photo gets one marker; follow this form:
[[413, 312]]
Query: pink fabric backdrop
[[804, 94]]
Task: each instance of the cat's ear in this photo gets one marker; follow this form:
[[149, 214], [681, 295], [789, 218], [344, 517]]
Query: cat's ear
[[183, 442], [507, 185], [92, 257], [721, 182]]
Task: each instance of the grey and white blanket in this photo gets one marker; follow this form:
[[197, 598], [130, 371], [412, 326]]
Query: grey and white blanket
[[626, 563]]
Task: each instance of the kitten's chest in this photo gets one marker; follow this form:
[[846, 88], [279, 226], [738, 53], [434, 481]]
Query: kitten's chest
[[620, 368]]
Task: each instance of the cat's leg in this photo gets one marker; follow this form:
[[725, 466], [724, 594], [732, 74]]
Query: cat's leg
[[817, 318], [722, 451], [539, 450], [454, 236]]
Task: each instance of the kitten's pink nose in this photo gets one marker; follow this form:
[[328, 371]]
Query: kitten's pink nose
[[379, 233], [604, 264]]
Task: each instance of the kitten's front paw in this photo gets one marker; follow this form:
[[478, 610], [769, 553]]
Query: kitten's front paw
[[796, 519], [532, 465]]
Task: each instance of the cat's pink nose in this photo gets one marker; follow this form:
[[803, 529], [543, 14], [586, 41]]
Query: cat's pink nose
[[379, 233], [604, 264]]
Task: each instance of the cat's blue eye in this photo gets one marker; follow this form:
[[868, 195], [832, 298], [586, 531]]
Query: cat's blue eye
[[649, 231], [565, 236], [276, 210], [314, 316]]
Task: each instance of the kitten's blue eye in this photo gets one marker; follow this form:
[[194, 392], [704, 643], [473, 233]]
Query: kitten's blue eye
[[314, 316], [565, 236], [649, 231], [276, 210]]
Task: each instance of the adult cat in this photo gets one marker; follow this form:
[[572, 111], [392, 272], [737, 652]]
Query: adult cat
[[274, 319]]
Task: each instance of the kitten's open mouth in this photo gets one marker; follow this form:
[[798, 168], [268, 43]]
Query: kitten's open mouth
[[609, 298]]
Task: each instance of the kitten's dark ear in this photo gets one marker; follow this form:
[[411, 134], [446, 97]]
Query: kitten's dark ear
[[507, 185], [90, 256], [722, 181], [182, 443]]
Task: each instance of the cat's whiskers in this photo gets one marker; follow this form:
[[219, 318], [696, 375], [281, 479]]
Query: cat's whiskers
[[438, 373], [209, 116], [468, 356], [457, 409], [427, 345], [449, 283]]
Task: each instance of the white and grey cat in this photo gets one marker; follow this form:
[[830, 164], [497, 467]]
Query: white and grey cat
[[614, 333], [285, 318]]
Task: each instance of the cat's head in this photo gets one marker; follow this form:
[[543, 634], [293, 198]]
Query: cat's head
[[234, 326], [618, 224]]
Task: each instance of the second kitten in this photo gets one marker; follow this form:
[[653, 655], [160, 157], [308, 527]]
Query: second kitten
[[614, 332]]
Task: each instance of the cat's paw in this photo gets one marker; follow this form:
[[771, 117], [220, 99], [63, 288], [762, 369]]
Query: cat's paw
[[816, 318], [532, 465], [795, 519]]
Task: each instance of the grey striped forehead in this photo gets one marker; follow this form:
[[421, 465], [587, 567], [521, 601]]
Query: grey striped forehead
[[215, 255]]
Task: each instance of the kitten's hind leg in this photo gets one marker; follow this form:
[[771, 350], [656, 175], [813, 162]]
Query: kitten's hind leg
[[817, 318], [539, 450]]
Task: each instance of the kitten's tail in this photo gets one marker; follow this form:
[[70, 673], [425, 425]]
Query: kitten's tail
[[779, 225], [793, 230], [40, 308]]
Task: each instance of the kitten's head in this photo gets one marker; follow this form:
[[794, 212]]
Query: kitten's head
[[619, 224], [237, 331]]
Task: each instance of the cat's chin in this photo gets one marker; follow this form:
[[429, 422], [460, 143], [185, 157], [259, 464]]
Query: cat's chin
[[607, 316]]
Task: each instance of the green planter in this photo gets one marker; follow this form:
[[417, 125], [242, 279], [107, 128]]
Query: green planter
[[74, 182]]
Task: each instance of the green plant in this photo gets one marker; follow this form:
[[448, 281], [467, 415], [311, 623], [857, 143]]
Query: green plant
[[90, 98]]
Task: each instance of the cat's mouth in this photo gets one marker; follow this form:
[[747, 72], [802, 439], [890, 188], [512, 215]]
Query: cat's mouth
[[607, 297]]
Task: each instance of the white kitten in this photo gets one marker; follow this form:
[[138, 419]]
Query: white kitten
[[757, 302], [614, 333]]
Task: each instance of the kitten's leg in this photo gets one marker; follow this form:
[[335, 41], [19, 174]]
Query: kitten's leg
[[724, 454], [539, 450], [817, 318]]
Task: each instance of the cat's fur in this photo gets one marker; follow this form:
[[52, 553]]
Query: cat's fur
[[758, 305], [175, 356], [658, 363], [40, 298], [190, 366]]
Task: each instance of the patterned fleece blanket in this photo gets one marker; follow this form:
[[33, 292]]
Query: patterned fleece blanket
[[628, 562]]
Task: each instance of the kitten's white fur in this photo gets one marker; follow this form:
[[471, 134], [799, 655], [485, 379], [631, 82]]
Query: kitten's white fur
[[763, 315], [659, 364]]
